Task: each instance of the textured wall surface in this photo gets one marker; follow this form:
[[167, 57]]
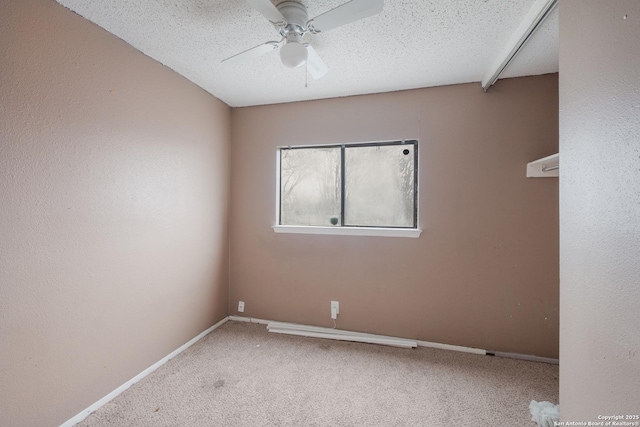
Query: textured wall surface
[[113, 211], [484, 273], [599, 208]]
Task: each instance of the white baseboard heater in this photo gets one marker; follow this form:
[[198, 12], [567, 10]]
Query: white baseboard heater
[[338, 334]]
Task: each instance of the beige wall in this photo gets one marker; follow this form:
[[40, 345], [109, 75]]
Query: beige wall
[[114, 179], [600, 208], [483, 274], [113, 211]]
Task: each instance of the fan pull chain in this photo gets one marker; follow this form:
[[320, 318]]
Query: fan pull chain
[[306, 74]]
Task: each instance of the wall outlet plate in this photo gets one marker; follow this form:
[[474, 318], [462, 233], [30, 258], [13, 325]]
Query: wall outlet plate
[[335, 309], [241, 306]]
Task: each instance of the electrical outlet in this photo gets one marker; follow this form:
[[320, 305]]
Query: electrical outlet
[[335, 309], [241, 306]]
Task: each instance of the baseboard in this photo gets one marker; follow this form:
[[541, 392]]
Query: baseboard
[[97, 405], [338, 334], [527, 357], [451, 347], [249, 320], [106, 399], [440, 346]]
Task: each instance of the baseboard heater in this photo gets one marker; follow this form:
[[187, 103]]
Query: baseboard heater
[[338, 334]]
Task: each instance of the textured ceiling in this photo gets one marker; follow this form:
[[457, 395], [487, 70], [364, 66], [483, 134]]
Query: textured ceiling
[[411, 44]]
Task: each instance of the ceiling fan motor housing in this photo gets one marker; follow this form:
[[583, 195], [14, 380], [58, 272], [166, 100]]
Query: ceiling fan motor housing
[[291, 20], [296, 15]]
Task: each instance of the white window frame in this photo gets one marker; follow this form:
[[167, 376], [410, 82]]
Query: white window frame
[[347, 230]]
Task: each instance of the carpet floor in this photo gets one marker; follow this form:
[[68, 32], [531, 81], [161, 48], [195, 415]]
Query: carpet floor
[[242, 375]]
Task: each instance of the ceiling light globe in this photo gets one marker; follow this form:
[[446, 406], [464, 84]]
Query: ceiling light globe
[[293, 55]]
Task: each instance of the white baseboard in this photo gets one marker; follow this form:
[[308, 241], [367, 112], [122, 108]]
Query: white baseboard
[[528, 357], [449, 347], [106, 399], [338, 334], [97, 405], [249, 320]]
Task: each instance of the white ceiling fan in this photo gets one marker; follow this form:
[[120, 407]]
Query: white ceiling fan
[[291, 20]]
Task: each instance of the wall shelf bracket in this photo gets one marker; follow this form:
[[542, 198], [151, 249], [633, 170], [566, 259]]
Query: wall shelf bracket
[[547, 167]]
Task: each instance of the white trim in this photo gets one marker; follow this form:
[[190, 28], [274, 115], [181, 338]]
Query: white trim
[[452, 347], [342, 142], [278, 159], [525, 357], [97, 405], [333, 331], [349, 231], [338, 334], [249, 320], [393, 343], [540, 10], [538, 168], [301, 330]]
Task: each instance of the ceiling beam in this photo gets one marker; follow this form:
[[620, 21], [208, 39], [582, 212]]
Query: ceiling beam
[[540, 10]]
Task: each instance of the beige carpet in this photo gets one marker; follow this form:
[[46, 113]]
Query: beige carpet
[[242, 375]]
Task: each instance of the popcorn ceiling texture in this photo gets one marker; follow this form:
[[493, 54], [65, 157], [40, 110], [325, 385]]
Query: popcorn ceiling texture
[[411, 44]]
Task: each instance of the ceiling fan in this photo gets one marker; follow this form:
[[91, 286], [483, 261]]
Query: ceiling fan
[[291, 20]]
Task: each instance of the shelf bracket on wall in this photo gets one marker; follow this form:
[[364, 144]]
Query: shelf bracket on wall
[[547, 167]]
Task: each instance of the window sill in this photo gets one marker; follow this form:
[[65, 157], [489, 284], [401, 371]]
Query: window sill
[[349, 231]]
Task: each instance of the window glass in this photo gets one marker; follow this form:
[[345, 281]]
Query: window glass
[[310, 186], [350, 185], [379, 186]]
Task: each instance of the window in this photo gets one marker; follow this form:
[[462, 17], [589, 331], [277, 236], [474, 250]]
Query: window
[[349, 186]]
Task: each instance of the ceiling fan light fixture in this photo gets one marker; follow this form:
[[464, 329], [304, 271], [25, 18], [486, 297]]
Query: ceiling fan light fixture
[[293, 54], [290, 19]]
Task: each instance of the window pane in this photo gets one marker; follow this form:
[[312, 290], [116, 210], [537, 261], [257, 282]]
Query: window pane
[[310, 186], [379, 186]]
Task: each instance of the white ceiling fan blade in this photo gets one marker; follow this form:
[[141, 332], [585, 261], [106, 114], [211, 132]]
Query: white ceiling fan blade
[[268, 10], [254, 52], [316, 66], [346, 13]]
